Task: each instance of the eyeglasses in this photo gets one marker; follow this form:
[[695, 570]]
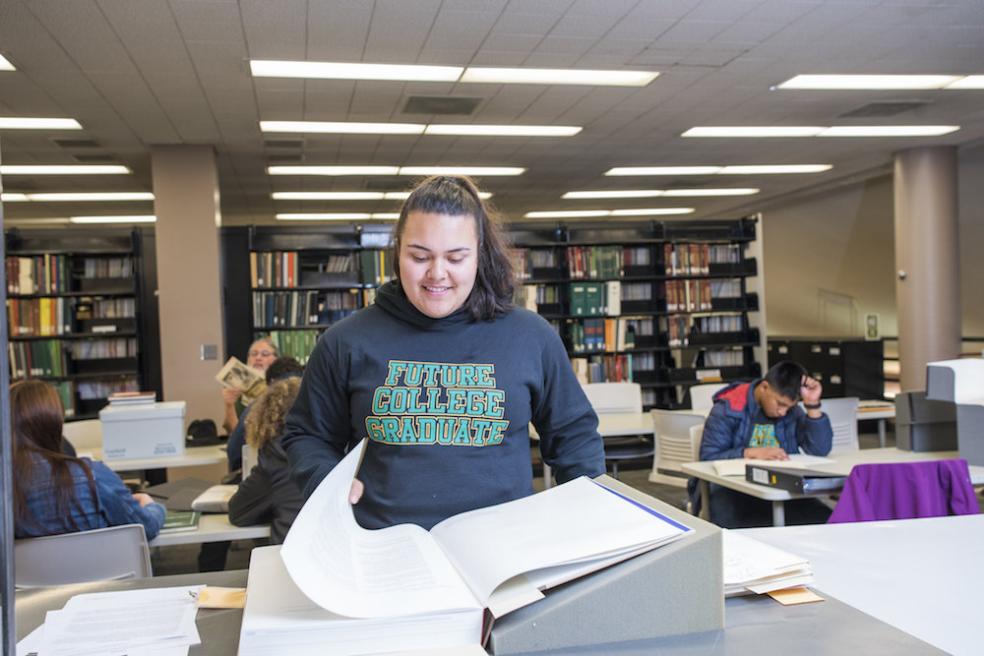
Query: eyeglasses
[[261, 354]]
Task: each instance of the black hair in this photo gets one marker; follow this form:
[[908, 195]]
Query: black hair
[[458, 196], [283, 367], [786, 378]]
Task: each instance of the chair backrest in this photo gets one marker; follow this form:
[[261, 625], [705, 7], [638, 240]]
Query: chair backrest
[[614, 397], [117, 552], [676, 442], [85, 434], [843, 415], [702, 396]]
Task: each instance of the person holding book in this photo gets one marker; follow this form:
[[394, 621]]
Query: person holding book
[[55, 492], [443, 375], [261, 355], [761, 420], [267, 494]]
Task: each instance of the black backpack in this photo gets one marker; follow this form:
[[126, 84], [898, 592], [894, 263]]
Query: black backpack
[[202, 432]]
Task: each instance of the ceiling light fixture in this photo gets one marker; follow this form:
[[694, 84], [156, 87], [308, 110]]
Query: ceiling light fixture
[[563, 214], [462, 170], [968, 82], [753, 131], [481, 74], [731, 191], [63, 169], [340, 127], [654, 211], [327, 195], [333, 170], [324, 216], [835, 131], [350, 71], [25, 123], [663, 170], [471, 130], [90, 196], [5, 64], [751, 169], [11, 197], [868, 82], [113, 219], [653, 193]]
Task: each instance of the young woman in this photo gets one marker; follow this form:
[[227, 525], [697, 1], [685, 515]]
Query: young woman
[[267, 494], [443, 375], [58, 493]]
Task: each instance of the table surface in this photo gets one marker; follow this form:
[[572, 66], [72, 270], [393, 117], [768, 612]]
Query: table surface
[[923, 576], [212, 527], [843, 462], [192, 457]]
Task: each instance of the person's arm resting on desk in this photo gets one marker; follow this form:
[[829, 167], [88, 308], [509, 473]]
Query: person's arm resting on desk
[[120, 507]]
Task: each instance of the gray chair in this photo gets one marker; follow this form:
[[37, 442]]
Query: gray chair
[[678, 435], [702, 396], [843, 414], [117, 552]]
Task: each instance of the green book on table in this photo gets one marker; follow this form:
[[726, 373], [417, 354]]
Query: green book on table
[[181, 520]]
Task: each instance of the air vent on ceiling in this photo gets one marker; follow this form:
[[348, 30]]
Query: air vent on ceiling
[[285, 159], [441, 105], [888, 108], [386, 183], [101, 158], [283, 143], [76, 143]]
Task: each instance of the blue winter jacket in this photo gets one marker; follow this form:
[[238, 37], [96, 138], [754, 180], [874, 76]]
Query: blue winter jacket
[[113, 504], [729, 426]]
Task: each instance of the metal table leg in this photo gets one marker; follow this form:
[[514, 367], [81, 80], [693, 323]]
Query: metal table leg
[[705, 499], [881, 433], [778, 513]]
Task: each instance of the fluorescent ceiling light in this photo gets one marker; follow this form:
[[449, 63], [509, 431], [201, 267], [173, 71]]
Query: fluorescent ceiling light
[[653, 211], [968, 82], [753, 131], [465, 129], [340, 127], [868, 82], [63, 169], [624, 193], [389, 216], [5, 64], [94, 196], [770, 169], [558, 76], [888, 130], [462, 170], [348, 71], [113, 219], [24, 123], [324, 216], [590, 213], [663, 170], [333, 170], [732, 191], [403, 195], [9, 197], [30, 222], [327, 195]]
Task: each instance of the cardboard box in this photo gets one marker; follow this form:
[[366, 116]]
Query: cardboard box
[[151, 430]]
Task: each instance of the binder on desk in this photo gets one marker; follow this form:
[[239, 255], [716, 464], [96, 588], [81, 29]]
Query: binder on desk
[[796, 480]]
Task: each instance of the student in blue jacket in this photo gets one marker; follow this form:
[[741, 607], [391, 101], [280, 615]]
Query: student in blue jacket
[[762, 420], [443, 375], [58, 493]]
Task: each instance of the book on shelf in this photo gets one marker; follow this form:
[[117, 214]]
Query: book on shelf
[[180, 520], [402, 587]]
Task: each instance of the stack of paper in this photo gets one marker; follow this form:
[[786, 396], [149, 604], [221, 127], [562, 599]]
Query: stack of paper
[[214, 499], [736, 466], [405, 588], [153, 622], [751, 567]]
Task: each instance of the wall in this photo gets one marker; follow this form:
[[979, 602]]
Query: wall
[[970, 203]]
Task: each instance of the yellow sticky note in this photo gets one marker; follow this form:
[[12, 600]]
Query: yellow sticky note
[[793, 596], [216, 597]]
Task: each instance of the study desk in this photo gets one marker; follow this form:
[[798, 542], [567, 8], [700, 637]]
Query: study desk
[[923, 576], [843, 462], [751, 622], [871, 410], [212, 527]]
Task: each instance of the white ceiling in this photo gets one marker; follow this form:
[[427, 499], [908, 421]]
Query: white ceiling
[[138, 73]]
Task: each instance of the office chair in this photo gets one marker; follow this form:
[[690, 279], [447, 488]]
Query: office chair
[[702, 396], [843, 414], [117, 552]]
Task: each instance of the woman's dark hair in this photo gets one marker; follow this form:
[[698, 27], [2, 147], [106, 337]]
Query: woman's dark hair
[[458, 196], [36, 420]]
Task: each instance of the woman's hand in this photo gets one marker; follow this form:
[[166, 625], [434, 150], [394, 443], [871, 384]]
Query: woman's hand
[[143, 499], [355, 493]]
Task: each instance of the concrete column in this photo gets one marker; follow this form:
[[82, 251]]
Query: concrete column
[[186, 191], [927, 260]]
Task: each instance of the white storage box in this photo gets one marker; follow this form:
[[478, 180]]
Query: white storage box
[[143, 431]]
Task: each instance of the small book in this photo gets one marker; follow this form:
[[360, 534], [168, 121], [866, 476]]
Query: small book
[[180, 520], [214, 499], [798, 481], [237, 375], [132, 398]]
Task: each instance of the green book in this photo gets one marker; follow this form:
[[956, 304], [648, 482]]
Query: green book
[[181, 520]]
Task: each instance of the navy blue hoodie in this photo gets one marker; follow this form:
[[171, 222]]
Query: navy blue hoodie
[[445, 404]]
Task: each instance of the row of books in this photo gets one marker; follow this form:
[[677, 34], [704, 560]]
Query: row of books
[[375, 267], [298, 309], [103, 349], [44, 357], [591, 335], [594, 262], [591, 299], [105, 308], [699, 295], [695, 259], [603, 368], [274, 269], [724, 358], [90, 390], [38, 274], [39, 316], [680, 327], [295, 343], [107, 267], [582, 261]]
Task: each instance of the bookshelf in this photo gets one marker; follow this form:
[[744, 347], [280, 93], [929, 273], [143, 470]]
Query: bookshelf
[[82, 313], [298, 281], [664, 304]]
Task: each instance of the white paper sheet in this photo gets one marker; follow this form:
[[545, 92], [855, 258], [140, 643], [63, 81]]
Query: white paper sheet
[[759, 567], [736, 466], [356, 572]]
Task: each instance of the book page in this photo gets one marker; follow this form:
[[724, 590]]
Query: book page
[[574, 522], [736, 466], [356, 572]]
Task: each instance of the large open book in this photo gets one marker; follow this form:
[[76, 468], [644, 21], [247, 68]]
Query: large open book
[[418, 589]]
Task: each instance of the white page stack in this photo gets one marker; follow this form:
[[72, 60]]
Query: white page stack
[[753, 567], [405, 588]]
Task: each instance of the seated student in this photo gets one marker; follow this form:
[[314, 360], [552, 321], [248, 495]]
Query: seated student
[[762, 420], [267, 493], [58, 493]]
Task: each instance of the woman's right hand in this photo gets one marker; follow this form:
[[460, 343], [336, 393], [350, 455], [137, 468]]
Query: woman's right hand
[[355, 492], [143, 499]]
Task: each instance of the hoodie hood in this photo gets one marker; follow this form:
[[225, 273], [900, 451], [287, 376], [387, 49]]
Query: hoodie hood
[[391, 298]]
